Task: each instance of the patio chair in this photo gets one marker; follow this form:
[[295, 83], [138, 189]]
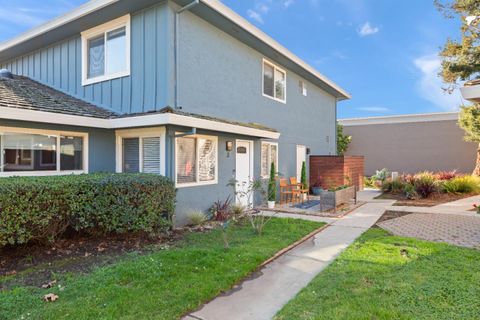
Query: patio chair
[[285, 191], [297, 190]]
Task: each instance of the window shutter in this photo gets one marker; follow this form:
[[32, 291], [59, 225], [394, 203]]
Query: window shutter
[[206, 160], [131, 155], [151, 155]]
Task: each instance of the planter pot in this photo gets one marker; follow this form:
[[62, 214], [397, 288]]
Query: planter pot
[[332, 199], [316, 191], [305, 196], [271, 204]]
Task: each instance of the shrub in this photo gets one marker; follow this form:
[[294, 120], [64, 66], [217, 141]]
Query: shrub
[[272, 184], [462, 184], [196, 217], [381, 175], [425, 184], [41, 209], [237, 210], [409, 191], [446, 175], [369, 182], [395, 186]]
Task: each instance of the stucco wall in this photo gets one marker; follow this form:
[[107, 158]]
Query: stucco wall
[[220, 76], [101, 142], [412, 147]]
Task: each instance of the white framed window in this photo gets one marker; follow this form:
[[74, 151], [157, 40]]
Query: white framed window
[[269, 154], [303, 88], [196, 160], [35, 152], [106, 51], [274, 82], [141, 150]]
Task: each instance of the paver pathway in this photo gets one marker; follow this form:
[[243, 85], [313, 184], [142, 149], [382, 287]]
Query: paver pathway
[[460, 207], [458, 230], [262, 296]]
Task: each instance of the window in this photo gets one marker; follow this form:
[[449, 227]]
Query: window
[[141, 150], [274, 82], [196, 160], [106, 51], [34, 151], [303, 87], [269, 155]]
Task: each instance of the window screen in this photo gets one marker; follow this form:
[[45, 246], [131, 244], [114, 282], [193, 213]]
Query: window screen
[[131, 151], [151, 155], [186, 160]]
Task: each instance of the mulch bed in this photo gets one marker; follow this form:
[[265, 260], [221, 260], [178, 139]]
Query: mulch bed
[[433, 200], [34, 264]]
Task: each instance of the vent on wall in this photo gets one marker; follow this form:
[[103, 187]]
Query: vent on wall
[[303, 87]]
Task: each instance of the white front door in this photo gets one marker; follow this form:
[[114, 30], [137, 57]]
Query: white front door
[[244, 171], [301, 157]]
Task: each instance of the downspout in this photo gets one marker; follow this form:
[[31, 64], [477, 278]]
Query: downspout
[[176, 44]]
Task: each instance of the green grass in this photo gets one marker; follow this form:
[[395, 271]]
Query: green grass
[[385, 277], [162, 285]]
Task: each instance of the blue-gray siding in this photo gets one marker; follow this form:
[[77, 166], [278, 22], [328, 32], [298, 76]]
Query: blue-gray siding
[[147, 89]]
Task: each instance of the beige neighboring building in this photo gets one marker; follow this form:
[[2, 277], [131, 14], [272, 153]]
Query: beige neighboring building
[[411, 143]]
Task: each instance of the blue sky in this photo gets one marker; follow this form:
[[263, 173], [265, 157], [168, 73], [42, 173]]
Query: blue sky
[[384, 52]]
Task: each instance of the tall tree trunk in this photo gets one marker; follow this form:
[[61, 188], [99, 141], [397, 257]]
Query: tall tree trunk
[[476, 171]]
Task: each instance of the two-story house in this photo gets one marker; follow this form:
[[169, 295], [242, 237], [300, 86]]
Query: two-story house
[[186, 89]]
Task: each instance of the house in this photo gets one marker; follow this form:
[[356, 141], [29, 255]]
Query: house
[[186, 89], [411, 143]]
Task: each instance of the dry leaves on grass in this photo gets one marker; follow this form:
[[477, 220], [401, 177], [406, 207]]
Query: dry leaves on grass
[[49, 284], [51, 297]]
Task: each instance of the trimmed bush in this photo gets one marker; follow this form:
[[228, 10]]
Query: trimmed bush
[[425, 184], [41, 209], [463, 184]]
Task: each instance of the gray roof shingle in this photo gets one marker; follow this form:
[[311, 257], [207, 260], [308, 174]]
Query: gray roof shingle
[[25, 93]]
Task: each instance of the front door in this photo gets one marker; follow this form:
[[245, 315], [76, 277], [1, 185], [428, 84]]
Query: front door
[[244, 172], [301, 157]]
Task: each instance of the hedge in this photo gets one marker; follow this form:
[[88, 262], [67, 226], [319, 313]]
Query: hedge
[[41, 209]]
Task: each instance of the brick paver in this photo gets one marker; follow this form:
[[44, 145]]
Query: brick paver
[[461, 231]]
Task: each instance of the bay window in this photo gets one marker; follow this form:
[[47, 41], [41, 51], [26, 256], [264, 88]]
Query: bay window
[[25, 151], [196, 160], [269, 154]]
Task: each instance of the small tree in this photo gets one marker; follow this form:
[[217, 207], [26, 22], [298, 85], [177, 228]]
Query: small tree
[[272, 184], [469, 121], [303, 176], [343, 141]]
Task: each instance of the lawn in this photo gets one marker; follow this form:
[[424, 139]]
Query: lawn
[[386, 277], [162, 285]]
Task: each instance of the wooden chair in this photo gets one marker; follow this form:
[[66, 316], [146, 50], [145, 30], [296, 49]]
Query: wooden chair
[[297, 190], [285, 191]]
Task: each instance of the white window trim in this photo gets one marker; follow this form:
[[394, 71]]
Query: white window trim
[[275, 68], [269, 153], [99, 30], [57, 134], [140, 134], [198, 183]]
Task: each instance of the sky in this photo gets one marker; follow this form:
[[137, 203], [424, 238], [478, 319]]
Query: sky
[[384, 52]]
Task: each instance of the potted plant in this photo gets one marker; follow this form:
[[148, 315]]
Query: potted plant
[[317, 188], [303, 179], [272, 188]]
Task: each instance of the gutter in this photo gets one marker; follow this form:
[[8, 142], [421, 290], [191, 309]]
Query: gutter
[[176, 45]]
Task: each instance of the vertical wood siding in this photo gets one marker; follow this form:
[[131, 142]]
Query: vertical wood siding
[[59, 66]]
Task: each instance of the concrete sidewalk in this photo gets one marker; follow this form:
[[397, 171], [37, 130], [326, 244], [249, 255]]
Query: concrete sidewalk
[[266, 292]]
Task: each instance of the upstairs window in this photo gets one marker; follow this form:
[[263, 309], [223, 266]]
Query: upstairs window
[[106, 51], [274, 82]]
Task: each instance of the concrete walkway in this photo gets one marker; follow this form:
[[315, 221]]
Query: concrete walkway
[[265, 293]]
